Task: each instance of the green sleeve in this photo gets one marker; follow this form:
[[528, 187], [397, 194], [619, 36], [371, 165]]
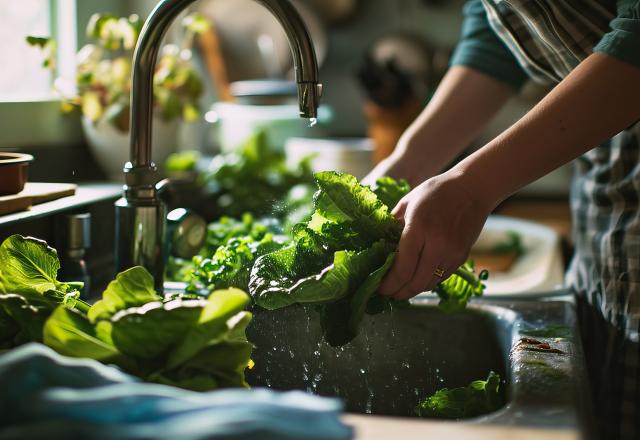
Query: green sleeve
[[623, 41], [481, 49]]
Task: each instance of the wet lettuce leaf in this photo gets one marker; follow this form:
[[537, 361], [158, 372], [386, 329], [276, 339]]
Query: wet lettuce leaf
[[390, 191], [478, 398], [299, 282], [231, 263], [460, 287], [337, 259]]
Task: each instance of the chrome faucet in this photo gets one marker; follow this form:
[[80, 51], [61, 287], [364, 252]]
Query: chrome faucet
[[140, 214]]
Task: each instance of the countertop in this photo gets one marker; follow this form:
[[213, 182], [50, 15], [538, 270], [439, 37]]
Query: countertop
[[387, 428], [86, 194]]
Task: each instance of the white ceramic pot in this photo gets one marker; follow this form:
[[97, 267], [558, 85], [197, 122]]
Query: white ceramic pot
[[110, 146], [238, 122], [350, 155]]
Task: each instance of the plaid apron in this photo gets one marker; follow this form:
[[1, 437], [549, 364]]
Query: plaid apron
[[549, 38]]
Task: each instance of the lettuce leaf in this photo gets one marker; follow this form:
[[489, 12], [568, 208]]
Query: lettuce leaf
[[390, 191], [460, 287], [293, 284], [339, 257], [29, 289], [175, 341], [131, 288], [28, 265], [478, 398]]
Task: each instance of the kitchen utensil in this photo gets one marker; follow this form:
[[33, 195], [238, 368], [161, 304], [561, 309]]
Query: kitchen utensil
[[351, 155], [13, 172]]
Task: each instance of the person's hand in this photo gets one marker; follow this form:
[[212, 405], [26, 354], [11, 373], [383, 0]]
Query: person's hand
[[442, 219]]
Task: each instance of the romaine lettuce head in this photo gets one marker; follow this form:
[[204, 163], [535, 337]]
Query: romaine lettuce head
[[337, 259]]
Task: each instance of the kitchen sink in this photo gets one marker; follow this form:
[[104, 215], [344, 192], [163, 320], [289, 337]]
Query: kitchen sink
[[407, 353]]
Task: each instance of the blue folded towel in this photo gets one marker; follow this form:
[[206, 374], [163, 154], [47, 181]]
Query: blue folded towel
[[45, 395]]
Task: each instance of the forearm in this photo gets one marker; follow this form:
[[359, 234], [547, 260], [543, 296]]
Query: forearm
[[596, 101], [464, 103]]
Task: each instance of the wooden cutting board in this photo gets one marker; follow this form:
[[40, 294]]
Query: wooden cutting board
[[35, 193]]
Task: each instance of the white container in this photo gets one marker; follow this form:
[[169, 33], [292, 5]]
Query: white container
[[350, 155], [238, 122], [111, 149]]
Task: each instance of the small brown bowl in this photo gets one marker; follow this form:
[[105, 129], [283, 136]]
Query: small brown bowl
[[13, 172]]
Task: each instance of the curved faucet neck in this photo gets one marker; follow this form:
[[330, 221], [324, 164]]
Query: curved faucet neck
[[144, 61]]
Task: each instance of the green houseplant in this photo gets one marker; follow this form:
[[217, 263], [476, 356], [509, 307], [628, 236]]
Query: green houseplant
[[102, 85]]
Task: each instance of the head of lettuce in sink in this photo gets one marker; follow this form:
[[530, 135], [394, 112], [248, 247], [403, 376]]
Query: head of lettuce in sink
[[338, 258]]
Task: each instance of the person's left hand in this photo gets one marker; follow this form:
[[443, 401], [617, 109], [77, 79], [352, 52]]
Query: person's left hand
[[442, 220]]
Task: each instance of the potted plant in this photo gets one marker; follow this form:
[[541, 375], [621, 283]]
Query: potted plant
[[102, 85]]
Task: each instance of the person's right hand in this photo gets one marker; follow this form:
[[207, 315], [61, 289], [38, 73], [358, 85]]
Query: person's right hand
[[441, 220]]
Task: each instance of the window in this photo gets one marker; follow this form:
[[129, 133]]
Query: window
[[29, 109], [23, 78]]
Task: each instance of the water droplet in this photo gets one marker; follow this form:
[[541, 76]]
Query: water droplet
[[362, 371], [312, 122]]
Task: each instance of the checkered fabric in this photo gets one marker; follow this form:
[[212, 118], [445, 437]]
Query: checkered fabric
[[549, 38]]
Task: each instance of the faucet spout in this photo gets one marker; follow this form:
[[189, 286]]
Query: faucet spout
[[140, 214], [146, 53]]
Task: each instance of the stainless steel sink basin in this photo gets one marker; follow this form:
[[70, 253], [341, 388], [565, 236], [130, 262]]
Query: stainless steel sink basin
[[404, 355]]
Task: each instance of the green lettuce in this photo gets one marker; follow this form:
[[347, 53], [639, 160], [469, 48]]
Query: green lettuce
[[338, 258], [30, 290], [460, 287], [171, 341], [478, 398]]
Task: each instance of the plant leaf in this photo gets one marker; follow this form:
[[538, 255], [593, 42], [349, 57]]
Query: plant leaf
[[131, 288], [28, 265], [222, 313], [70, 333]]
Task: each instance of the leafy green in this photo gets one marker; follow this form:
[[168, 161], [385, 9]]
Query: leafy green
[[255, 178], [131, 288], [70, 333], [460, 287], [20, 320], [342, 199], [512, 245], [337, 259], [29, 289], [390, 191], [333, 282], [28, 265], [175, 341], [478, 398], [231, 264], [182, 161], [228, 255]]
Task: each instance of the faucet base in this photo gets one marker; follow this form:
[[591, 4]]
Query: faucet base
[[140, 231]]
